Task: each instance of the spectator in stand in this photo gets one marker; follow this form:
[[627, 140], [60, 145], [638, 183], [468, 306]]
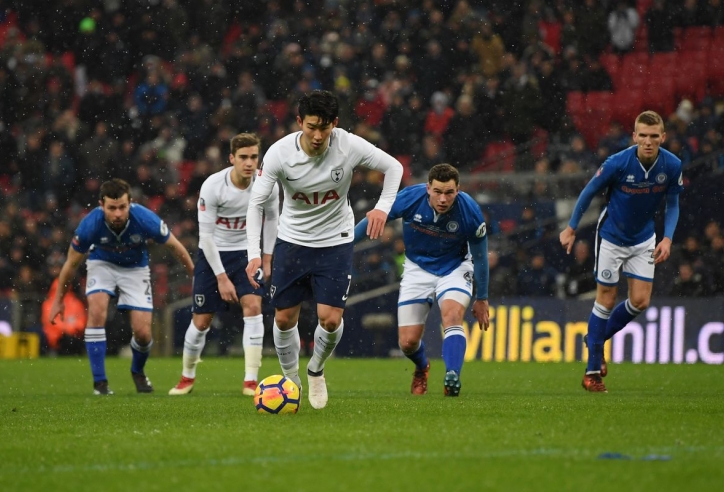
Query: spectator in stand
[[432, 152], [595, 77], [714, 261], [521, 103], [622, 24], [689, 14], [461, 140], [65, 337], [591, 22], [537, 279], [660, 27], [615, 140], [500, 276], [712, 13], [689, 282], [151, 95], [579, 278], [60, 172], [489, 48], [401, 127], [438, 116]]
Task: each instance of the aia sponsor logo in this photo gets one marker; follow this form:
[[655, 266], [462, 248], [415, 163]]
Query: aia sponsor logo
[[316, 198]]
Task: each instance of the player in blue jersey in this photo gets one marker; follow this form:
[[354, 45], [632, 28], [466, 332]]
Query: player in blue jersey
[[114, 236], [446, 253], [636, 181]]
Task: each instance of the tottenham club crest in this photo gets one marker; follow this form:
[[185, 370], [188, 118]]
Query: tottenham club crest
[[337, 174], [199, 299]]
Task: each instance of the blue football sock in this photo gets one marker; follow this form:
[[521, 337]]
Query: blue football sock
[[419, 357], [453, 348], [596, 331], [95, 346], [620, 317], [140, 355]]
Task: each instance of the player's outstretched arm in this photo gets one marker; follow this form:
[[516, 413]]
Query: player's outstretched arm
[[180, 253], [67, 273]]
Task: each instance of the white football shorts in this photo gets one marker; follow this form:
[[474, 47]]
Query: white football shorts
[[637, 261], [419, 289], [134, 284]]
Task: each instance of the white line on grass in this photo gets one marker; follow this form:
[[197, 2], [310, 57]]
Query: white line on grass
[[578, 454]]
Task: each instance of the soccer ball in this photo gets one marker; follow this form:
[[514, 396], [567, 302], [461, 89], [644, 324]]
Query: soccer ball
[[276, 394]]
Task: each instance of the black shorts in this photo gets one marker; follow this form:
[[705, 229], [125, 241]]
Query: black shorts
[[206, 289], [302, 273]]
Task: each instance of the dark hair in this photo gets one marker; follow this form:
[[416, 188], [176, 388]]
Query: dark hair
[[114, 189], [443, 173], [650, 118], [244, 140], [319, 103]]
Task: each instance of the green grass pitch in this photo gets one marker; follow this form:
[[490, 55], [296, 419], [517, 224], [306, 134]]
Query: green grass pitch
[[515, 426]]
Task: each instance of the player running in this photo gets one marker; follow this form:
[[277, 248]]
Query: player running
[[220, 276], [313, 254], [636, 180]]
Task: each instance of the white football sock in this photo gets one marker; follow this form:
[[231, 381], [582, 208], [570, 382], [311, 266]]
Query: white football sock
[[324, 344], [194, 342], [288, 345], [253, 341]]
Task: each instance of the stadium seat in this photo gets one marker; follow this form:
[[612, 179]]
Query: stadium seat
[[576, 103], [661, 95], [696, 38], [185, 170], [692, 75], [626, 106], [598, 107], [498, 157], [155, 202], [612, 63], [716, 73]]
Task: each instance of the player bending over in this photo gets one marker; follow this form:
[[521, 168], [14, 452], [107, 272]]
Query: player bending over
[[446, 252], [114, 237]]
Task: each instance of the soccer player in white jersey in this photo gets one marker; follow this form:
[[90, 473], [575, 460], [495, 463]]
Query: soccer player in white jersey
[[313, 254], [446, 252], [636, 181], [220, 275], [114, 237]]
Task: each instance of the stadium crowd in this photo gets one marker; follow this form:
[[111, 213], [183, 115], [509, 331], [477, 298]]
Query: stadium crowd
[[152, 90]]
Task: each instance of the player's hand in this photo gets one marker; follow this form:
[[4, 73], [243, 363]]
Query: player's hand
[[376, 223], [568, 237], [662, 251], [481, 311], [251, 270], [227, 289], [58, 308]]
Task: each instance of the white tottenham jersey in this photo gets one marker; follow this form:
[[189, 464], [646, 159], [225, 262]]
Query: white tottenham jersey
[[316, 210], [223, 206]]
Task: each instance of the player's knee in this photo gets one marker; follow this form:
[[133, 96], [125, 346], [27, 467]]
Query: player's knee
[[408, 345], [640, 303], [330, 323]]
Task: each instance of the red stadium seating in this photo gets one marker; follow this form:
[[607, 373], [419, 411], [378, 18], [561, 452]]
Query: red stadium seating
[[691, 76], [612, 63], [576, 103], [498, 157], [626, 106], [696, 38]]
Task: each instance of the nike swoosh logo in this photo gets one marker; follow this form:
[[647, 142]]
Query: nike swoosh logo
[[293, 179]]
